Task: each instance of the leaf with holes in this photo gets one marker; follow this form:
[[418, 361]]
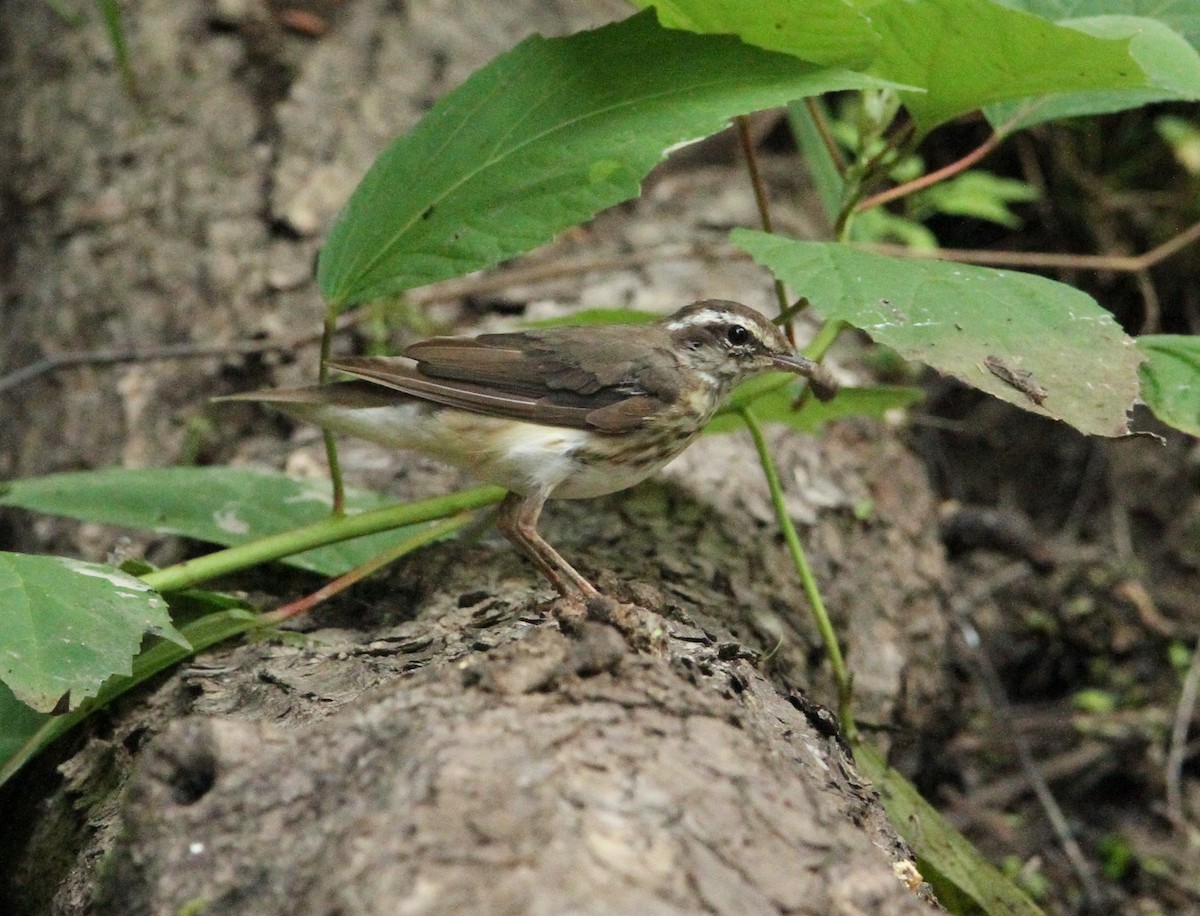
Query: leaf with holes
[[1041, 345], [67, 626]]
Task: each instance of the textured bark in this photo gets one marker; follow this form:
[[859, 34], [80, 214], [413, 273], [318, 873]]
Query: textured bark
[[434, 743]]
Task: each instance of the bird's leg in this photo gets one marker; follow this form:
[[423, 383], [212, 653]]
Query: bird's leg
[[518, 522]]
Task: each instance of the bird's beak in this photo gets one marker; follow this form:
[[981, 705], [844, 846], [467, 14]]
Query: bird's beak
[[823, 384]]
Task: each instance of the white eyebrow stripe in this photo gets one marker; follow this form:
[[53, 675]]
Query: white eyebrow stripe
[[718, 318], [704, 316]]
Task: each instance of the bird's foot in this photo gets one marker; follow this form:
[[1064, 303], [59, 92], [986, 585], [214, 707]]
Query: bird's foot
[[641, 628]]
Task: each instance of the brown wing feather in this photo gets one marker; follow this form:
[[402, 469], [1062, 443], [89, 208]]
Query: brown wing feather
[[491, 401], [608, 363], [586, 378], [629, 414], [357, 394]]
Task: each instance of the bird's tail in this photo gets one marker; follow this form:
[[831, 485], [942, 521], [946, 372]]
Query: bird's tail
[[339, 394], [358, 408]]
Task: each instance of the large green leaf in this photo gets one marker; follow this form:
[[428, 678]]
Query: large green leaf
[[830, 32], [540, 139], [960, 876], [67, 626], [1171, 64], [1041, 345], [219, 505], [1181, 15], [24, 734], [1171, 379], [18, 721], [961, 54], [968, 54]]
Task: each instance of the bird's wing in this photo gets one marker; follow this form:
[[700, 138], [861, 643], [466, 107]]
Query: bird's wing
[[598, 362], [518, 398]]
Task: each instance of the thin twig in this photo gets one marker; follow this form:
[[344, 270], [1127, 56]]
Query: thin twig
[[930, 178], [1089, 757], [1179, 732], [822, 126], [954, 168], [341, 583], [113, 356], [338, 508], [1152, 313], [764, 210], [961, 607], [1051, 260]]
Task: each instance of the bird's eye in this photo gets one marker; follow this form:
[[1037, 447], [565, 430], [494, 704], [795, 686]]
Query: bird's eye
[[737, 335]]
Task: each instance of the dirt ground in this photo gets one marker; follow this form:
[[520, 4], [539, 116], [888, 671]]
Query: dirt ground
[[1018, 605]]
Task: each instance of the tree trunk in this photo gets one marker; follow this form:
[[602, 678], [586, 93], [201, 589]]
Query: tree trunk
[[435, 743]]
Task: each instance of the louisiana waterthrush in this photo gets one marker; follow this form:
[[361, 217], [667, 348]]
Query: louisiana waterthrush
[[568, 412]]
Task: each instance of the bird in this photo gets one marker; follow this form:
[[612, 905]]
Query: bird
[[556, 413]]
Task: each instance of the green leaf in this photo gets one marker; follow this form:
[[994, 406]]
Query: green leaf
[[1181, 15], [1041, 345], [1184, 139], [1171, 65], [219, 505], [201, 635], [1171, 379], [540, 139], [18, 721], [111, 12], [822, 168], [969, 54], [882, 225], [774, 404], [947, 48], [827, 32], [977, 194], [960, 876], [67, 626]]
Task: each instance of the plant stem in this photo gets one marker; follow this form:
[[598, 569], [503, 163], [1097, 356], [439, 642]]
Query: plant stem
[[318, 534], [931, 178], [335, 466], [426, 535], [822, 125], [820, 616], [825, 338], [1051, 259], [764, 209]]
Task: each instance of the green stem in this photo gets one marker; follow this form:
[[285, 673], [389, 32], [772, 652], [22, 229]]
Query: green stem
[[820, 616], [426, 535], [215, 628], [824, 339], [326, 531]]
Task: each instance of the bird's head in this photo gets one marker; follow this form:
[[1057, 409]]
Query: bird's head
[[727, 343]]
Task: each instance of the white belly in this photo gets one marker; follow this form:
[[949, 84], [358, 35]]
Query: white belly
[[523, 457]]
